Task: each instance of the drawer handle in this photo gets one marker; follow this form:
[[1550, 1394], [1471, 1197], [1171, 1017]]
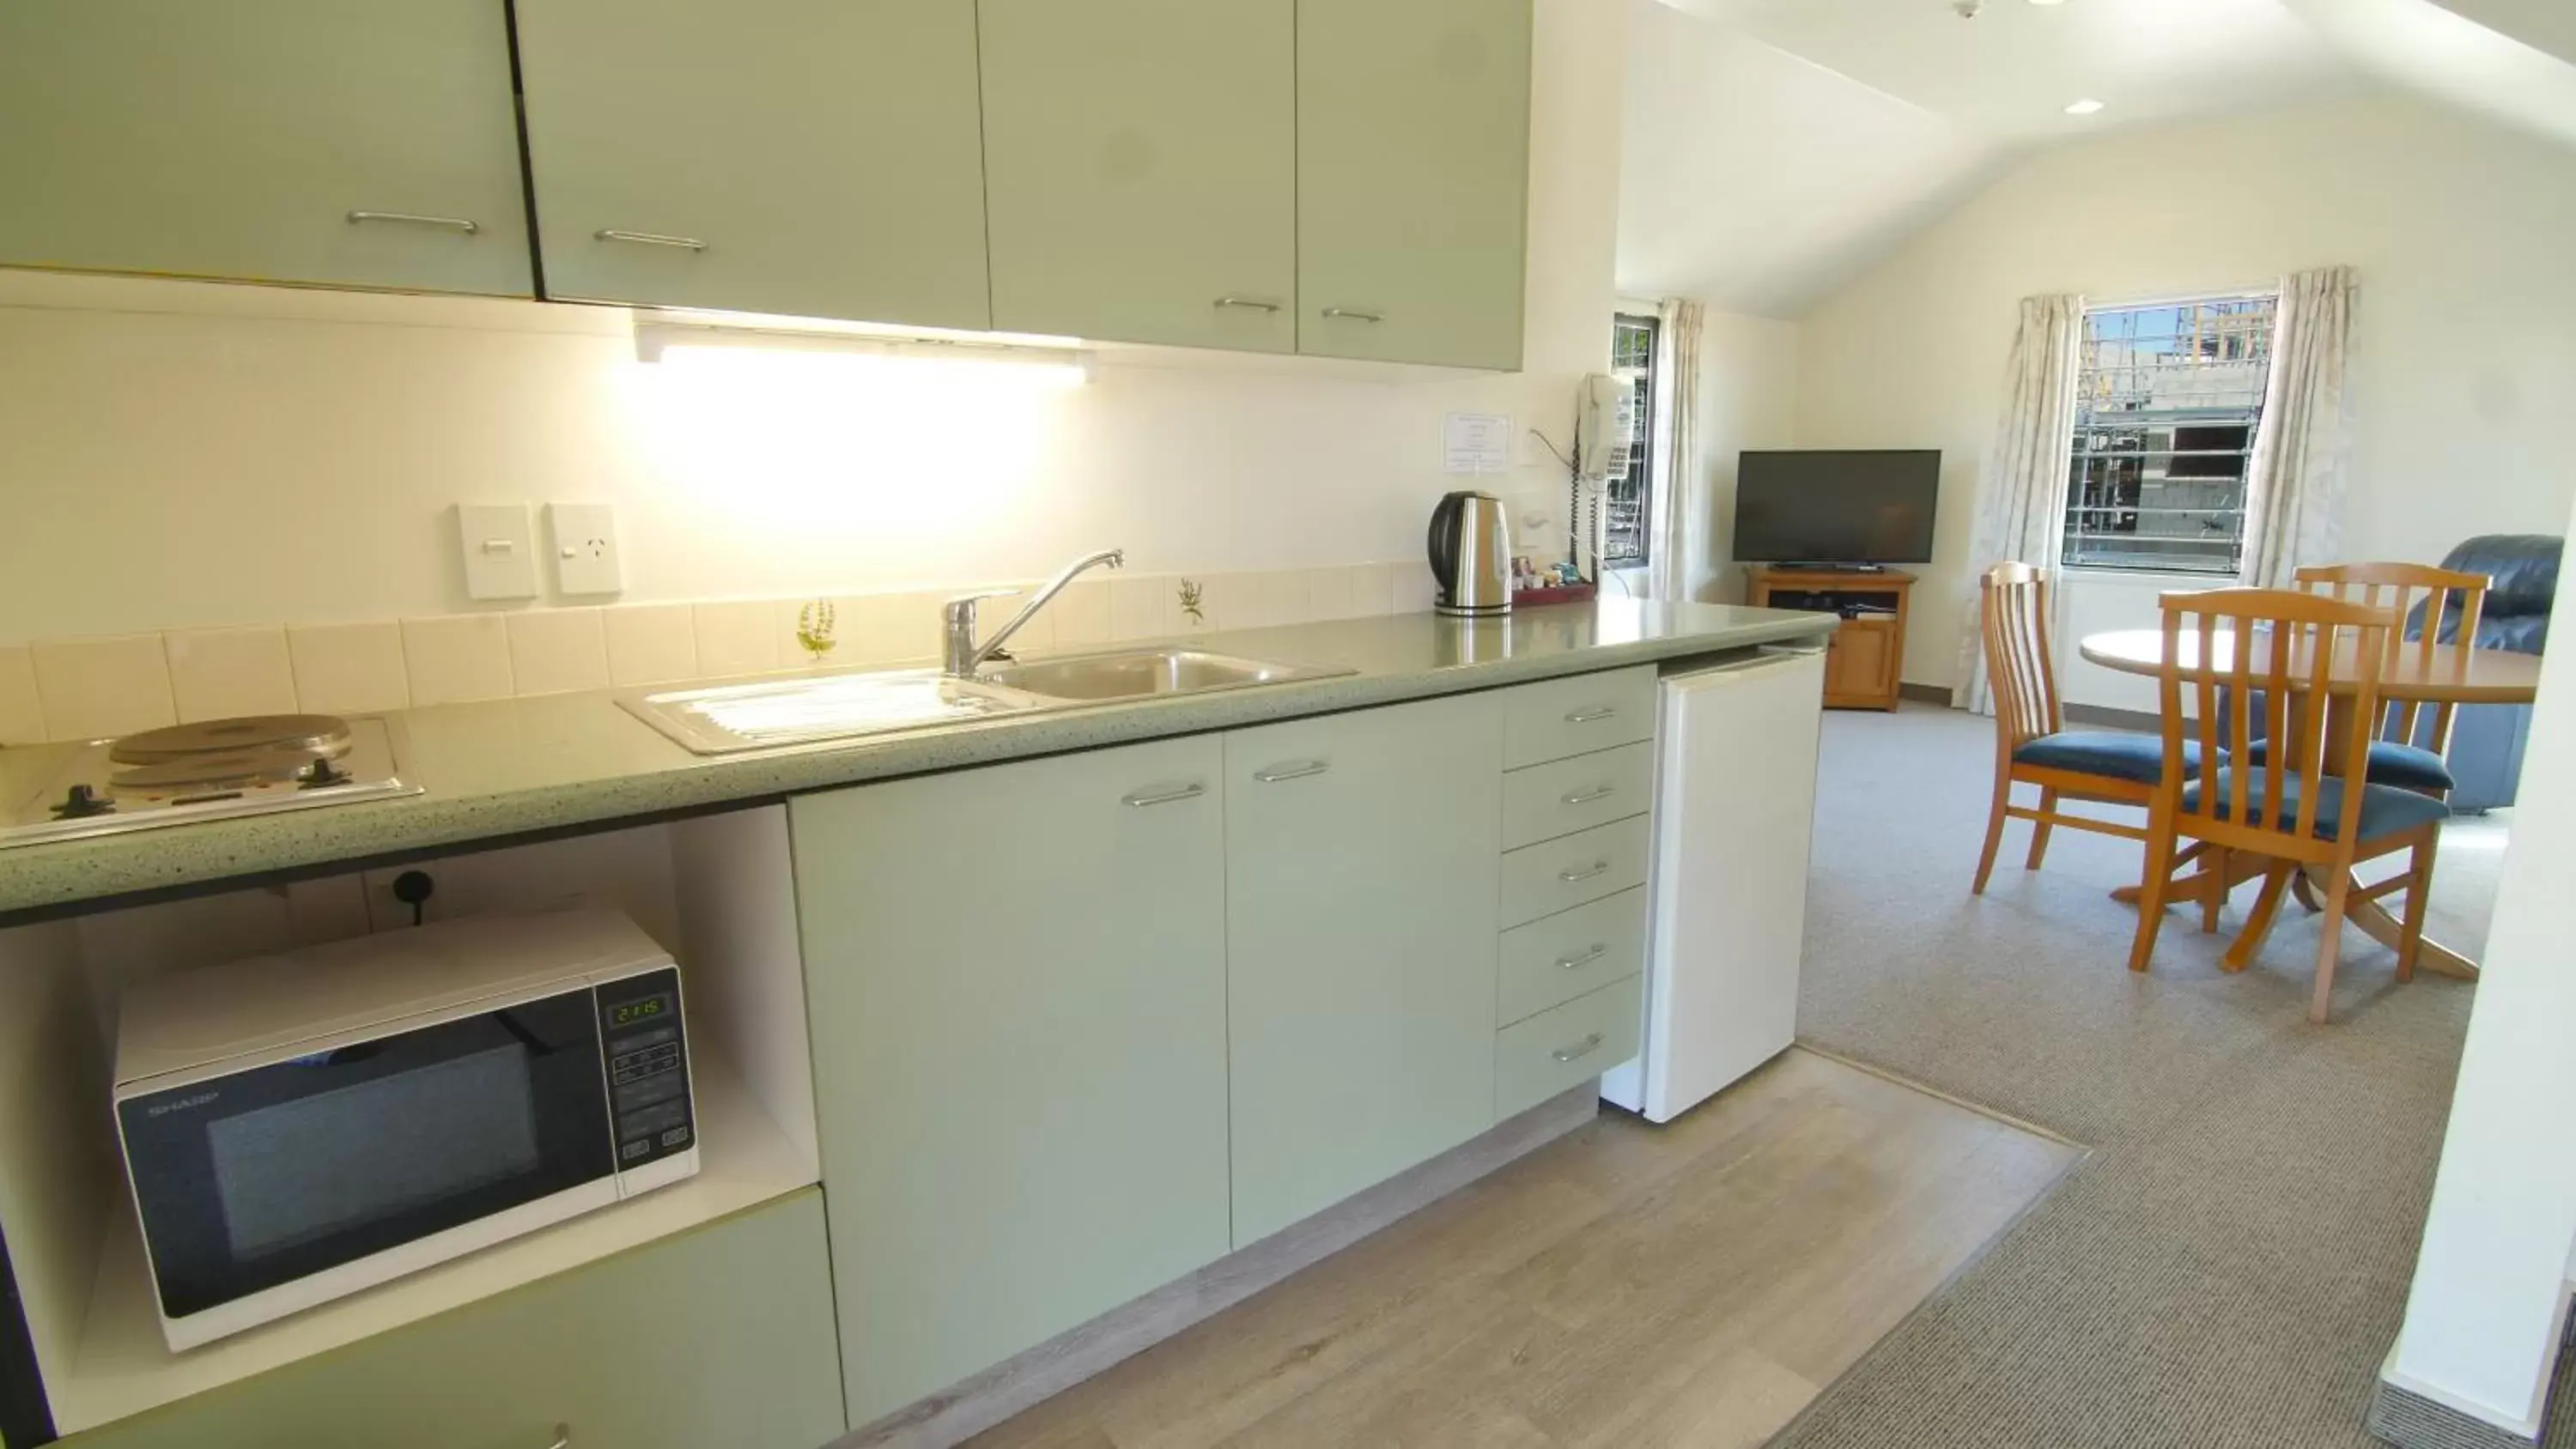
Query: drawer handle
[[652, 239], [1293, 770], [1144, 798], [464, 224], [1256, 304], [1599, 867], [1587, 716], [1583, 1048], [563, 1437], [1581, 959], [1354, 314], [1586, 797]]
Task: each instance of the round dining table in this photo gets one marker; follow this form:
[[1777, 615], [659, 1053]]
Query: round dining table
[[2443, 674]]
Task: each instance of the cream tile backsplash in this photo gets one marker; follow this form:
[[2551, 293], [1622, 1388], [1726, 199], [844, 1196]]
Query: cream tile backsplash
[[109, 686], [349, 668], [86, 688], [215, 673], [457, 658]]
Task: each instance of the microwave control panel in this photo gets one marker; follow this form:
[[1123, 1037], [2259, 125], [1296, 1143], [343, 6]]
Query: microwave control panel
[[648, 1067]]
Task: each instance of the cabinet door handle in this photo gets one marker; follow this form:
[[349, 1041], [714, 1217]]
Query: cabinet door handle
[[1353, 314], [1587, 716], [1172, 796], [1599, 867], [1293, 770], [651, 239], [1583, 1048], [1581, 959], [563, 1437], [1256, 304], [1586, 797], [465, 224]]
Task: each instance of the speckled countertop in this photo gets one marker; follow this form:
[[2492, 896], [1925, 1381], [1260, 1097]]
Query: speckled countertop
[[512, 767]]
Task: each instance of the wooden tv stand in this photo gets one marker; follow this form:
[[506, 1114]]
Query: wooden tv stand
[[1867, 654]]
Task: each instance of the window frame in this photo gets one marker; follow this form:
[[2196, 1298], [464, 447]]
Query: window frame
[[1639, 454], [2084, 431]]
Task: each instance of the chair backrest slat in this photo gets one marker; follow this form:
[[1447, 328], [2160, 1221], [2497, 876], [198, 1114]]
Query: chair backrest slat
[[2453, 602], [2013, 602], [2276, 650]]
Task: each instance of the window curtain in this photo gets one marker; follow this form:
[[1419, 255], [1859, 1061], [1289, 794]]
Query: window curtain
[[1688, 509], [2296, 497], [2021, 500]]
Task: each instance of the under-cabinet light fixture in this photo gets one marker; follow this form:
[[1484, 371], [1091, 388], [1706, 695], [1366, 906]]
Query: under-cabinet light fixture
[[1051, 361]]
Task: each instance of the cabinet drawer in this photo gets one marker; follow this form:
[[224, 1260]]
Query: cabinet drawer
[[1556, 875], [721, 1335], [1564, 796], [1565, 955], [1577, 715], [1573, 1043]]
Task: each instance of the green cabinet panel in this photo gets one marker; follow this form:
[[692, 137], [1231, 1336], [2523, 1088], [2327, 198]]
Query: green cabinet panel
[[1142, 166], [810, 157], [1016, 981], [1412, 179], [238, 139], [1360, 891], [719, 1336]]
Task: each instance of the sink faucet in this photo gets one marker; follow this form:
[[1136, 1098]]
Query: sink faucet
[[965, 656]]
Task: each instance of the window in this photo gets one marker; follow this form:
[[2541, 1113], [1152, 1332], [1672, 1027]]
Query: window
[[1629, 500], [2168, 401]]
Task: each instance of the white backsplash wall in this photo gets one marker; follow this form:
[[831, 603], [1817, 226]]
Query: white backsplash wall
[[178, 455]]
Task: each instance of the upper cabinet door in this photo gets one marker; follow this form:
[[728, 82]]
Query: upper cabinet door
[[360, 143], [1412, 179], [1142, 161], [817, 158]]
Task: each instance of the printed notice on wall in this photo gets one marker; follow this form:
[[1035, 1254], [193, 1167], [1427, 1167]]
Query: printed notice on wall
[[1478, 443]]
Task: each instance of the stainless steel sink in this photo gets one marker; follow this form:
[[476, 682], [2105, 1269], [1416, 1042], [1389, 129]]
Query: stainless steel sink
[[724, 719], [1142, 674]]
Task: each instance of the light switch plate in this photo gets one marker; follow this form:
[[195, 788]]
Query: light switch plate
[[499, 542], [585, 544]]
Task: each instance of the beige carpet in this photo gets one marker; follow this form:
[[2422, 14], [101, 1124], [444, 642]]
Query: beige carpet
[[2231, 1265]]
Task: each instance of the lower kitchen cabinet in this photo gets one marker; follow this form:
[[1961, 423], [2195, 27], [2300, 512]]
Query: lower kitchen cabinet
[[718, 1336], [1017, 985], [1360, 898]]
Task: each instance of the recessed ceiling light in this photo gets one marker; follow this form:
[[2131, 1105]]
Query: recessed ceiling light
[[2084, 107], [2047, 2]]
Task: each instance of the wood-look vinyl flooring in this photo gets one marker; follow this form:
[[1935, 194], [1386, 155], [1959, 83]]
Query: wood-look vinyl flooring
[[1631, 1285]]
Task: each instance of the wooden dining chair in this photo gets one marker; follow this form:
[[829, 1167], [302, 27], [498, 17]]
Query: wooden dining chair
[[2450, 601], [2297, 809], [2032, 744]]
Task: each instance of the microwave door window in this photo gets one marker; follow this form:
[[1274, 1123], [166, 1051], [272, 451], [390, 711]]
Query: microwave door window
[[257, 1179], [398, 1143]]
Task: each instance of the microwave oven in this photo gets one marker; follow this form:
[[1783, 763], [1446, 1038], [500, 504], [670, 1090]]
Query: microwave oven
[[297, 1127]]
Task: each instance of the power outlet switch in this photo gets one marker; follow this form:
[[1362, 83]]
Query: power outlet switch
[[585, 543], [499, 542]]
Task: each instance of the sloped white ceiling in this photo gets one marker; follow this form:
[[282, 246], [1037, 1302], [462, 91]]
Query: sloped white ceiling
[[2548, 25], [1758, 181], [2513, 61]]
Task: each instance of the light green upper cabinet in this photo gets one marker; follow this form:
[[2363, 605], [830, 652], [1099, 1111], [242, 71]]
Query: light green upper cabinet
[[360, 143], [1016, 983], [1412, 179], [1142, 161], [818, 158], [1360, 890], [719, 1336]]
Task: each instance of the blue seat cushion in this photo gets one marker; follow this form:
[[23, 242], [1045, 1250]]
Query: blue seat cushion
[[2385, 809], [2119, 754], [2391, 763]]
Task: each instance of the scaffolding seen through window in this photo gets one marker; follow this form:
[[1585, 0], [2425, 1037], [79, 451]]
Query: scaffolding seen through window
[[1628, 501], [2169, 400]]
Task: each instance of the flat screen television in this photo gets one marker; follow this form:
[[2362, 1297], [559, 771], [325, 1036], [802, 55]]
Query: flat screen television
[[1871, 506]]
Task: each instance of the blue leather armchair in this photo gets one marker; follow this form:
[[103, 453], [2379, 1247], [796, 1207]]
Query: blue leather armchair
[[2487, 739]]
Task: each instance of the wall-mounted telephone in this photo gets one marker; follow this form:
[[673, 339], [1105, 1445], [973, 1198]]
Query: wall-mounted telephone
[[1605, 417]]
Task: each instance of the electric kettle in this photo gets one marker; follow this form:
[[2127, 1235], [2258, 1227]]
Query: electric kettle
[[1471, 555]]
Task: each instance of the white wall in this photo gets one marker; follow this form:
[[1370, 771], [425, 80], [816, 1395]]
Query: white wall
[[1747, 399], [2481, 1330], [2464, 356], [174, 454]]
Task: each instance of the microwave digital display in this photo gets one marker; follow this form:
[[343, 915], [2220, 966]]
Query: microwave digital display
[[650, 1008]]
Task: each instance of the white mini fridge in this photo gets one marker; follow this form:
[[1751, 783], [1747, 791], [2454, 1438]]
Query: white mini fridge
[[1734, 817]]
